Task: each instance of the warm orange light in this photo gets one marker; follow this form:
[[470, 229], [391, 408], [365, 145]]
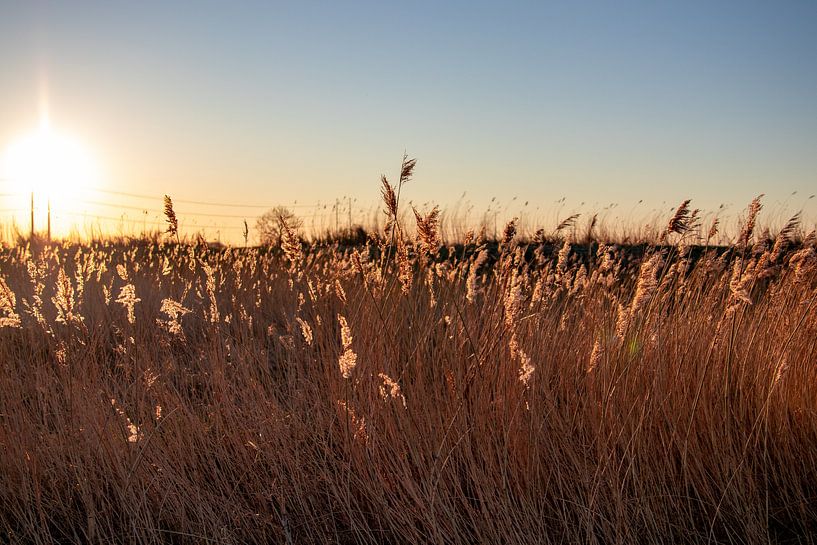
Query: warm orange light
[[50, 164], [53, 166]]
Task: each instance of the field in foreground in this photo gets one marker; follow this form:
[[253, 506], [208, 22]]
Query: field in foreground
[[545, 394]]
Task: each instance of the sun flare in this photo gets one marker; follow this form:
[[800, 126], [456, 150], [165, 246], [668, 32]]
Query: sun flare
[[49, 163], [54, 168]]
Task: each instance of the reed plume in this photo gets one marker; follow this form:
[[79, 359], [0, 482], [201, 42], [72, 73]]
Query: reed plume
[[174, 311], [526, 369], [508, 234], [127, 298], [428, 230], [595, 356], [64, 300], [290, 243], [406, 169], [405, 267], [644, 291], [306, 330], [751, 219], [562, 259], [390, 389], [214, 315], [713, 229], [783, 238], [390, 202], [133, 432], [8, 304], [472, 281], [348, 359], [171, 219], [567, 223], [680, 221]]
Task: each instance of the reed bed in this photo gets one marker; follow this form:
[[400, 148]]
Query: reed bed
[[408, 392]]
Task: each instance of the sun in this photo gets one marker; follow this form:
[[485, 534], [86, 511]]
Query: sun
[[51, 171], [50, 164]]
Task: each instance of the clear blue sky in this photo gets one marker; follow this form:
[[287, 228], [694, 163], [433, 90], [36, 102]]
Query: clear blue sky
[[263, 102]]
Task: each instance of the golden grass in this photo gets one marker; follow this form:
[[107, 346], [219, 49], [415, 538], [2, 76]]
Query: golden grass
[[397, 393]]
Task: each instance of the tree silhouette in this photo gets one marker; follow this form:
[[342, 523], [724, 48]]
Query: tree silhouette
[[268, 226]]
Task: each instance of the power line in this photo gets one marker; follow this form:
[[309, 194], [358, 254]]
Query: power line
[[185, 201], [124, 218], [110, 218], [182, 214], [117, 205], [178, 212], [203, 203]]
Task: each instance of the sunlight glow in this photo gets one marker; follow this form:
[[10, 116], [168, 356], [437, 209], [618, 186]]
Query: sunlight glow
[[53, 166], [49, 163]]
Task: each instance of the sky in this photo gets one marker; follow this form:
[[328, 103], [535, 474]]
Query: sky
[[262, 102]]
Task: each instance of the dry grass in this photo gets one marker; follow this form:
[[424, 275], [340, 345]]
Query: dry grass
[[584, 394]]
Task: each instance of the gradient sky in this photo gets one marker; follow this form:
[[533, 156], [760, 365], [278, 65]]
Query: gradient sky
[[262, 102]]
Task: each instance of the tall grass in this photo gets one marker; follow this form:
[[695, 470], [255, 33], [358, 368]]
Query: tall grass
[[404, 392]]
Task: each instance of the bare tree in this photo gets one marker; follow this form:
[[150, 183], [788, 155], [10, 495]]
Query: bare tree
[[268, 226]]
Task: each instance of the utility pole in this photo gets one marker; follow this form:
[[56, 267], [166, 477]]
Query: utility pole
[[32, 216], [350, 215], [49, 219]]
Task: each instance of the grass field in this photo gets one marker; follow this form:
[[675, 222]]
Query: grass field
[[409, 392]]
